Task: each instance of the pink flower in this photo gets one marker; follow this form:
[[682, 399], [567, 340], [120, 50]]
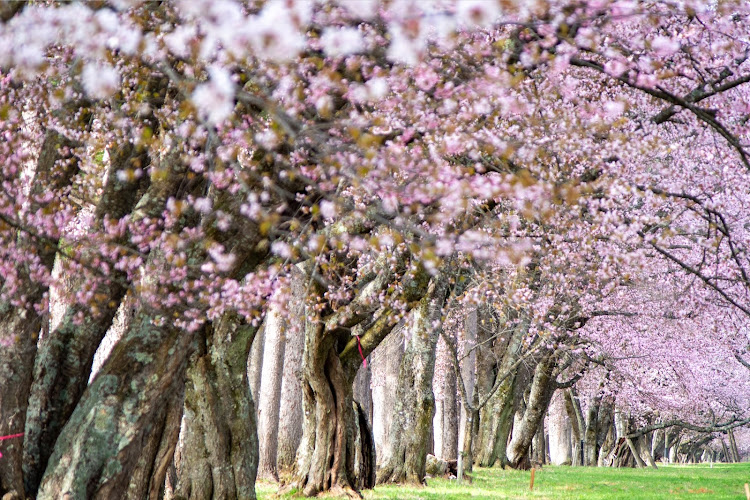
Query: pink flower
[[664, 46], [425, 77]]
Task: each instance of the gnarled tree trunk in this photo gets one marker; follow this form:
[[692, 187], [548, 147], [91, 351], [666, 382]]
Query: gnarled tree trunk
[[540, 393], [66, 355], [220, 455], [148, 478], [496, 417], [412, 414], [20, 325], [331, 359], [324, 461], [124, 404]]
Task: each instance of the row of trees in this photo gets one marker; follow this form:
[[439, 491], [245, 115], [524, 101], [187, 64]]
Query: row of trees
[[179, 177]]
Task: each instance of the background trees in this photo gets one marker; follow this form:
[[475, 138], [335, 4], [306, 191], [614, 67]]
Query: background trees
[[557, 191]]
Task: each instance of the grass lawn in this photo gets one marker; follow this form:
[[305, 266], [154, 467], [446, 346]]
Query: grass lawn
[[723, 481]]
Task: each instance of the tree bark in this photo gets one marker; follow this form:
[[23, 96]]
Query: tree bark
[[270, 393], [539, 446], [363, 391], [149, 475], [636, 452], [123, 405], [468, 375], [559, 433], [449, 450], [646, 452], [725, 450], [20, 325], [331, 359], [607, 444], [220, 455], [540, 394], [66, 355], [412, 414], [290, 414], [255, 363], [733, 446], [322, 460], [326, 455], [496, 417], [578, 424], [386, 361]]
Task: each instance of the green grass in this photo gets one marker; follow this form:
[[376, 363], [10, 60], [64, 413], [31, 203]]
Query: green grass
[[723, 481]]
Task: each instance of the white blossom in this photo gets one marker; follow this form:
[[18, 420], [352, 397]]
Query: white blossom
[[342, 41], [100, 80], [215, 99]]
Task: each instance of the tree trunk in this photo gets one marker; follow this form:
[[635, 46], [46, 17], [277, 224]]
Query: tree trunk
[[607, 445], [220, 453], [496, 416], [364, 456], [331, 359], [449, 450], [412, 414], [20, 325], [733, 446], [573, 408], [725, 449], [322, 459], [646, 452], [468, 374], [540, 394], [386, 361], [634, 449], [437, 424], [255, 362], [471, 429], [66, 356], [657, 443], [363, 391], [148, 479], [673, 458], [270, 393], [590, 444], [539, 446], [559, 433], [290, 414], [124, 404]]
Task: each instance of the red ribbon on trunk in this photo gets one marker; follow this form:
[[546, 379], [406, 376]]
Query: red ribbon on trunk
[[10, 436], [361, 354]]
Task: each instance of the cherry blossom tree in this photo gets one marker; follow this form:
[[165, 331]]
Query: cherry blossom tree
[[176, 161]]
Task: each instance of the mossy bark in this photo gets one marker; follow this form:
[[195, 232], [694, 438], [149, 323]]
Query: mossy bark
[[540, 394], [20, 325], [99, 448], [411, 423], [326, 455], [148, 478], [220, 457], [496, 417], [65, 356], [323, 458]]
